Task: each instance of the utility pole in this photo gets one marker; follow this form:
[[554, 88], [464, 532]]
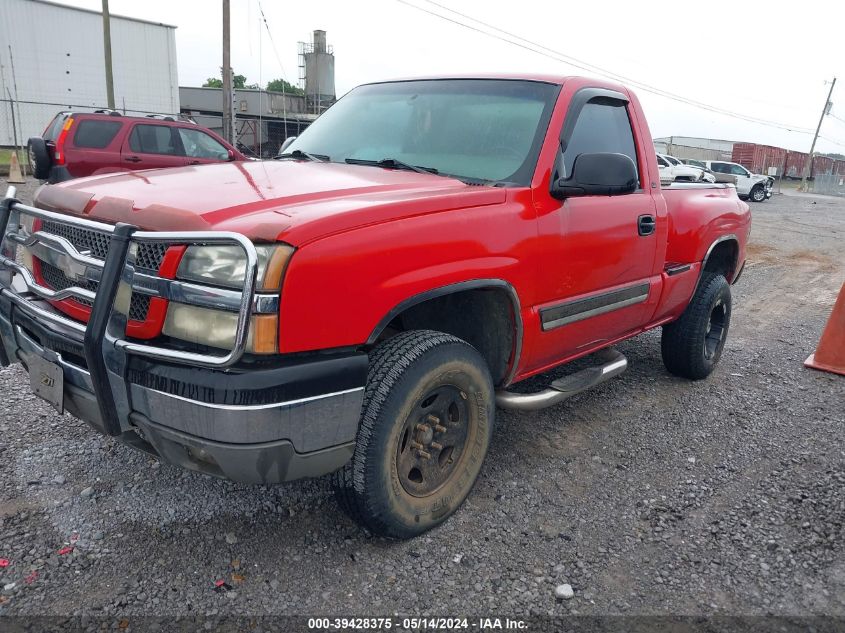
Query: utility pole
[[107, 52], [228, 132], [809, 163]]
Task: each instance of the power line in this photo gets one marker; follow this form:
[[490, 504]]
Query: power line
[[830, 140], [578, 63], [836, 117]]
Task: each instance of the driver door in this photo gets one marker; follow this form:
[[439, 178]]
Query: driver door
[[597, 270]]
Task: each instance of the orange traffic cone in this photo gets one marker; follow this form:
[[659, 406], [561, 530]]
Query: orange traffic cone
[[15, 175], [830, 354]]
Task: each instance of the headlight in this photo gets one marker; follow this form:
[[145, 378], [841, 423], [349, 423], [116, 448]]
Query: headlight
[[226, 265], [216, 328]]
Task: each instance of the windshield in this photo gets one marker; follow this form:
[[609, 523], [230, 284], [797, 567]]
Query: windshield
[[477, 129]]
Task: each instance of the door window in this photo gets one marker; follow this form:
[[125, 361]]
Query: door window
[[661, 161], [154, 139], [738, 170], [198, 144], [95, 134], [719, 168], [602, 126]]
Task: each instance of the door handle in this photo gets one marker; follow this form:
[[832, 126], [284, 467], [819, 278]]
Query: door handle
[[646, 225], [132, 159]]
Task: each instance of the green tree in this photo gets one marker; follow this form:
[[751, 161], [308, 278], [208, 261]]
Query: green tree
[[280, 85], [238, 81]]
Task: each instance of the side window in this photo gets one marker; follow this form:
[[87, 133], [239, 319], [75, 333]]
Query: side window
[[95, 134], [738, 170], [198, 144], [154, 139], [718, 168], [602, 126], [661, 161]]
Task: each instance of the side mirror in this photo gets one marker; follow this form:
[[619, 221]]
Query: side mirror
[[599, 174], [231, 154], [286, 143]]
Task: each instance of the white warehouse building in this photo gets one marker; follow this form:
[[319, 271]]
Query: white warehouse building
[[56, 63]]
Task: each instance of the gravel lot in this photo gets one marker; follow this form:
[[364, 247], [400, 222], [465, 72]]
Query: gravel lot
[[648, 495]]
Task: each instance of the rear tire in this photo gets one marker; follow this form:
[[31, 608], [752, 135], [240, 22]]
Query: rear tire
[[692, 345], [426, 424], [39, 158]]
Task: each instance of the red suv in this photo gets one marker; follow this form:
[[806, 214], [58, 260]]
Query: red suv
[[79, 144]]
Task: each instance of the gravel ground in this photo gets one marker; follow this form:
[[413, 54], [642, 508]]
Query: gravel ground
[[648, 495]]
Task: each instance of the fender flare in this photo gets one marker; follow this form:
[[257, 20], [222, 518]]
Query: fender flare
[[473, 284], [730, 237]]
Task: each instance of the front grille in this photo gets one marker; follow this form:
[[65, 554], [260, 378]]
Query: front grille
[[139, 306], [96, 243], [150, 256], [55, 278]]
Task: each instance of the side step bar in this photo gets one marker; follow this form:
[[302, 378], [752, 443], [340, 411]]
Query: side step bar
[[613, 364]]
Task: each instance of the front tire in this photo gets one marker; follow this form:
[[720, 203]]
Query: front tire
[[758, 194], [692, 345], [426, 425]]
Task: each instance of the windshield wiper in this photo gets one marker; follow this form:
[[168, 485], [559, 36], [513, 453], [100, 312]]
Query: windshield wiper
[[299, 154], [392, 163]]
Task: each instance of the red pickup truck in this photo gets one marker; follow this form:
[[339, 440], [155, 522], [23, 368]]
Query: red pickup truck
[[360, 305]]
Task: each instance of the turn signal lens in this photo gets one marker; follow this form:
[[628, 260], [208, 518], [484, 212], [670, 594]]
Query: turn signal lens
[[274, 271], [263, 334]]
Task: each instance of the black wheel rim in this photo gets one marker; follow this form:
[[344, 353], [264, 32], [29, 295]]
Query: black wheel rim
[[432, 442], [714, 337]]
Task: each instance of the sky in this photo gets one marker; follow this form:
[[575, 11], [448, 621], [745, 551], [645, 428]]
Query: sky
[[759, 60]]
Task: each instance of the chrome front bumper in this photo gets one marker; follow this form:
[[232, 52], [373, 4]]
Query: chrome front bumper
[[269, 421]]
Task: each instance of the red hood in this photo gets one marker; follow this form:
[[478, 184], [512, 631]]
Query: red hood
[[292, 201]]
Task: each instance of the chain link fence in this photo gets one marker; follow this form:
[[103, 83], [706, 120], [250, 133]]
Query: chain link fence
[[829, 184]]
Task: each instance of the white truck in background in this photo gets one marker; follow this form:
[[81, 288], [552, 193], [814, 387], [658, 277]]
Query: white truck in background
[[749, 186]]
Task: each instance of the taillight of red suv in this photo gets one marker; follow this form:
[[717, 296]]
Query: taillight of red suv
[[59, 156]]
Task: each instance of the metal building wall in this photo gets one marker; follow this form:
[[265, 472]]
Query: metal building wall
[[58, 59]]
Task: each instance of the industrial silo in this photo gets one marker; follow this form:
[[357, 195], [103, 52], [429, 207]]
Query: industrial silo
[[318, 61]]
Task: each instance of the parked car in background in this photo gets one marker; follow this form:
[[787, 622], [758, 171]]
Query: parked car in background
[[694, 162], [672, 169], [756, 187], [77, 144]]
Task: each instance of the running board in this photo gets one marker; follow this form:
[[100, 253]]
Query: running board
[[613, 364]]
